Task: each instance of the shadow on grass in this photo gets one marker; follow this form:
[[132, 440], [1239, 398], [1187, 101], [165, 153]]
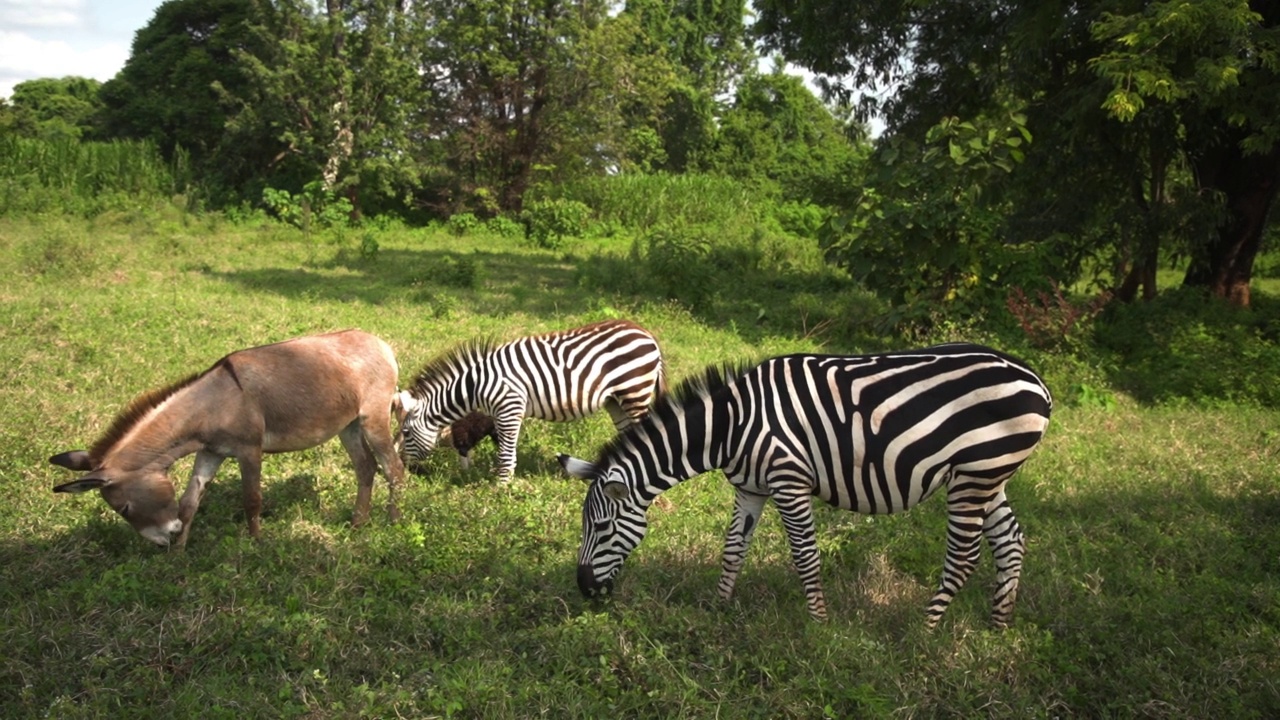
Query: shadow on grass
[[493, 283]]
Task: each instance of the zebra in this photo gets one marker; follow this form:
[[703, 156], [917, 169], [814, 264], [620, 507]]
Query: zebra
[[868, 433], [615, 364]]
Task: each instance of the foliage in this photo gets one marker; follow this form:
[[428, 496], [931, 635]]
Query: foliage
[[1141, 112], [503, 226], [926, 230], [463, 223], [337, 92], [776, 134], [643, 201], [548, 222], [169, 90]]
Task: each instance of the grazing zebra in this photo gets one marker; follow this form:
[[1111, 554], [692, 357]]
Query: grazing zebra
[[558, 376], [871, 433]]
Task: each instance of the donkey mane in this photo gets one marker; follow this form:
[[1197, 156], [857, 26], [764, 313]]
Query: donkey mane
[[448, 362], [137, 409], [687, 393]]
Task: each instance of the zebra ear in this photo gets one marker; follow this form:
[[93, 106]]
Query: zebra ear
[[616, 490], [574, 467], [402, 403]]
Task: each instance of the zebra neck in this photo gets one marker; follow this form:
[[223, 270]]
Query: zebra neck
[[679, 448]]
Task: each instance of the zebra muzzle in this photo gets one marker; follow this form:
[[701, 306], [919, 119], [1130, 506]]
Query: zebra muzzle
[[590, 587]]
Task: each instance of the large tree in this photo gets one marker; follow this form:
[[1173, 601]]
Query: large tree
[[1130, 102], [167, 91]]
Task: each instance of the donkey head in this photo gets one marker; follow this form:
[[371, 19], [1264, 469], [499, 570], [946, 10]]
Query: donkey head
[[144, 497]]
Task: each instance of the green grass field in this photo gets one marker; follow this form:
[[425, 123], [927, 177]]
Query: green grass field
[[1151, 586]]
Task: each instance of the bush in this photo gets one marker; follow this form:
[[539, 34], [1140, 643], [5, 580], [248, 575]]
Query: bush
[[548, 222], [461, 224], [313, 206], [503, 226]]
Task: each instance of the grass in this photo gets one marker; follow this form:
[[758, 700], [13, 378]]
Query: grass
[[1151, 589]]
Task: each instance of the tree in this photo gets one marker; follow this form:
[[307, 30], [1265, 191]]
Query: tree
[[65, 107], [336, 89], [776, 132], [706, 43], [523, 90], [1127, 105]]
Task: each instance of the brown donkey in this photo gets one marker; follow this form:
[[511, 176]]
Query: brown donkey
[[289, 396]]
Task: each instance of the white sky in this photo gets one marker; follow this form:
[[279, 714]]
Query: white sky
[[54, 38]]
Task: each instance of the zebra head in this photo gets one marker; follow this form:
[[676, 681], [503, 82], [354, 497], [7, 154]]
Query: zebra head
[[613, 524], [418, 431]]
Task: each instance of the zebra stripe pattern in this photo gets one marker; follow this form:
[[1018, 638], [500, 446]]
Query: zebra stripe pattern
[[871, 434], [615, 365]]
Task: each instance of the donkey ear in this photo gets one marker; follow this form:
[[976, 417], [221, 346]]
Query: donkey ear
[[574, 467], [73, 460], [84, 484]]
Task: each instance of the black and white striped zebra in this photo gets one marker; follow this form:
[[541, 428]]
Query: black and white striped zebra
[[615, 364], [871, 433]]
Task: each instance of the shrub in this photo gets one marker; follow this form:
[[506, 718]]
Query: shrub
[[503, 226], [1051, 320], [548, 222], [461, 224], [313, 206]]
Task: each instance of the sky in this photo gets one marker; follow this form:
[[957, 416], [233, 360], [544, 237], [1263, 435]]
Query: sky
[[54, 38]]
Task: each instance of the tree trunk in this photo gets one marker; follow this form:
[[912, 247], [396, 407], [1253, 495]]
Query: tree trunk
[[1248, 184]]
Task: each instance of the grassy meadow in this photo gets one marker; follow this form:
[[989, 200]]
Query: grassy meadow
[[1151, 586]]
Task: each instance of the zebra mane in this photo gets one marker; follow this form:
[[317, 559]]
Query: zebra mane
[[136, 410], [448, 362], [685, 394]]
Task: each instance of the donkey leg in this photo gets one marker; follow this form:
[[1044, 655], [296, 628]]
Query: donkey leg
[[747, 508], [206, 466], [376, 430], [353, 440], [966, 508], [1004, 537], [251, 488]]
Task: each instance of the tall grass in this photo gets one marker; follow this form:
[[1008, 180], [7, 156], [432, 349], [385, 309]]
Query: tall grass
[[39, 176], [641, 201]]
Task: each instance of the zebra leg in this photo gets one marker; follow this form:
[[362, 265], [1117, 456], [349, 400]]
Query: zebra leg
[[619, 415], [966, 509], [797, 517], [747, 508], [506, 421], [1004, 537]]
